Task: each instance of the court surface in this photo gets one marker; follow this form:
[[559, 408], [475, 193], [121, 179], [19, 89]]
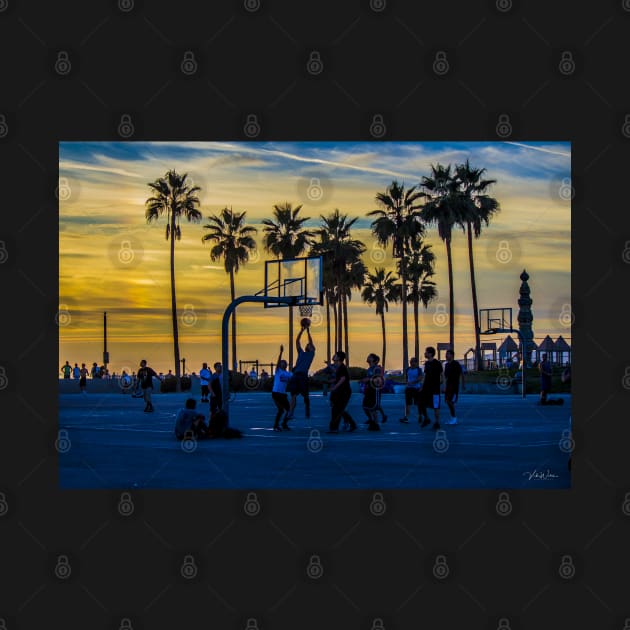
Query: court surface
[[501, 442]]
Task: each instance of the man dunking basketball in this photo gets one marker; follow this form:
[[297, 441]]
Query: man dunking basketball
[[299, 381]]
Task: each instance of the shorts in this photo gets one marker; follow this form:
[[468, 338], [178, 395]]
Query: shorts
[[82, 381], [204, 391], [371, 398], [429, 400], [281, 400], [146, 394], [298, 384], [451, 394], [412, 396]]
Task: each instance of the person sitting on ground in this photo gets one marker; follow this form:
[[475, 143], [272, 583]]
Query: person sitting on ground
[[189, 422]]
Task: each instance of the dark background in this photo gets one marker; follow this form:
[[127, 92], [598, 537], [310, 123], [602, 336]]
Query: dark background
[[503, 58]]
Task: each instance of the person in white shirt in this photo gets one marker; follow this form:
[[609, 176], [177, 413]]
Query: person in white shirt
[[204, 379], [412, 390], [279, 392]]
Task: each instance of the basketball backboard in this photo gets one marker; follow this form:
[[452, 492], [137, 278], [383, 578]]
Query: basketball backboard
[[300, 278], [494, 319]]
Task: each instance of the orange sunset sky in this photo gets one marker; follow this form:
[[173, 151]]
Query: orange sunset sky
[[103, 187]]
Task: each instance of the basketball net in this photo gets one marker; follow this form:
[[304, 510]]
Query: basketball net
[[306, 310]]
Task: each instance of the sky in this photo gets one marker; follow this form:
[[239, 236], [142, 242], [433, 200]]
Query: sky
[[111, 259]]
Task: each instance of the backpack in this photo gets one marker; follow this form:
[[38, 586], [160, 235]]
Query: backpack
[[229, 432], [218, 426]]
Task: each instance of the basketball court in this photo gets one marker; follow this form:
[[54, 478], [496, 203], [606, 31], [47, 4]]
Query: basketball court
[[501, 442]]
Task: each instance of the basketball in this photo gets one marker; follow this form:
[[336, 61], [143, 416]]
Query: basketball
[[306, 322]]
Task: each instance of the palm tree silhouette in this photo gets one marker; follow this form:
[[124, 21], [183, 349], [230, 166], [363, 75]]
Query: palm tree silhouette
[[399, 220], [478, 208], [353, 278], [443, 209], [233, 241], [422, 289], [172, 196], [339, 252], [380, 289], [286, 238]]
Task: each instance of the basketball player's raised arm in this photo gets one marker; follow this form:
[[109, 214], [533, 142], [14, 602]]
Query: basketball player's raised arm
[[310, 339], [279, 357], [298, 345]]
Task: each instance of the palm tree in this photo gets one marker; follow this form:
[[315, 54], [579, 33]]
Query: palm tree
[[398, 220], [478, 208], [380, 289], [233, 241], [443, 209], [422, 289], [352, 279], [172, 196], [339, 252], [286, 238]]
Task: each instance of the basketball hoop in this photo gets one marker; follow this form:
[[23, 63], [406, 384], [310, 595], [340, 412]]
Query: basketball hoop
[[306, 310]]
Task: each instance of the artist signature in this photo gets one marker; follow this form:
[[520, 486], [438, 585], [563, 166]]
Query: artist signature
[[542, 475]]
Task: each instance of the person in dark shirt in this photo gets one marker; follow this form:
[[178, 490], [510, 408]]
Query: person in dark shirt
[[145, 376], [373, 384], [298, 385], [452, 374], [66, 369], [340, 394], [216, 388], [430, 393]]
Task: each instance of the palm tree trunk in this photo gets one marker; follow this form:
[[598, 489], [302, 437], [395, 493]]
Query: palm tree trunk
[[451, 299], [384, 339], [345, 329], [327, 328], [233, 293], [334, 308], [473, 284], [290, 338], [174, 307], [340, 320], [403, 276], [416, 317]]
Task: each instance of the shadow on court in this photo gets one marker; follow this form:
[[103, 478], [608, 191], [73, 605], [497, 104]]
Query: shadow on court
[[501, 442]]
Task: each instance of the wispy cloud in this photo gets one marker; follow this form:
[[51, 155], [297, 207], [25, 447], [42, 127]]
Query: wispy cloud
[[542, 149], [78, 166]]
